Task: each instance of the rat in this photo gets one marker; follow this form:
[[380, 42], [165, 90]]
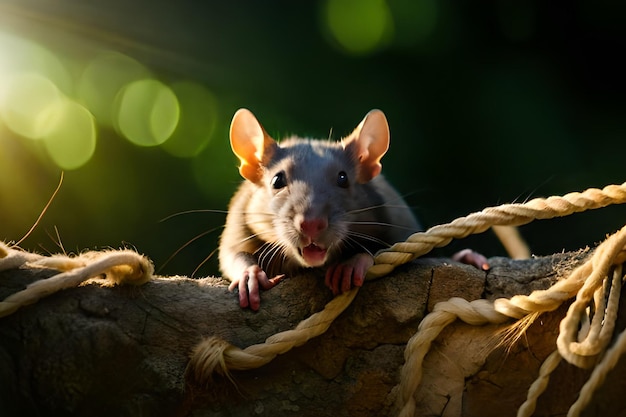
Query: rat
[[308, 203]]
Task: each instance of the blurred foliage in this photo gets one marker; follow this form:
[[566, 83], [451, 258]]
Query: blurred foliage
[[489, 102]]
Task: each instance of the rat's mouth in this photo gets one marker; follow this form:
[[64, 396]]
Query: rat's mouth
[[313, 254]]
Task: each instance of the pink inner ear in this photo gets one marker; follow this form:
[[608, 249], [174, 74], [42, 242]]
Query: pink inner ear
[[368, 172], [369, 163], [375, 170], [252, 173], [370, 140], [251, 144]]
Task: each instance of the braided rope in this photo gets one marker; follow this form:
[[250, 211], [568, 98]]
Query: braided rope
[[214, 355], [204, 363], [477, 312], [518, 214], [539, 386], [120, 267], [583, 282], [12, 258], [611, 252], [584, 354], [598, 375]]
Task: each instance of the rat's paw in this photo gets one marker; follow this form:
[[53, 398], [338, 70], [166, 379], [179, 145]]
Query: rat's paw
[[343, 276], [469, 257], [251, 279]]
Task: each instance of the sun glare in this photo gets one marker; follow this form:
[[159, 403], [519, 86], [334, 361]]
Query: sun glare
[[26, 103], [34, 103]]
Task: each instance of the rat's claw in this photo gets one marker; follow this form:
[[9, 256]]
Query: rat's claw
[[248, 286], [328, 278], [346, 278], [334, 278], [267, 283], [275, 280], [351, 273]]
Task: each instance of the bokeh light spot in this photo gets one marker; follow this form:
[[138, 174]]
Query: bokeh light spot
[[21, 56], [72, 141], [198, 119], [26, 102], [102, 80], [359, 26], [147, 112]]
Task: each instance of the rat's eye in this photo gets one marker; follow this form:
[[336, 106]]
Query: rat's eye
[[279, 181], [342, 179]]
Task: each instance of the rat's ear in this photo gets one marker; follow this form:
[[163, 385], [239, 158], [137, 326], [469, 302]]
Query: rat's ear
[[251, 143], [369, 142]]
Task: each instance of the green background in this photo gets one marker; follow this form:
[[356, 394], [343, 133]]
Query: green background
[[489, 102]]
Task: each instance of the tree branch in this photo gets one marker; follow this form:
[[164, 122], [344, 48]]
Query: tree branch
[[94, 350]]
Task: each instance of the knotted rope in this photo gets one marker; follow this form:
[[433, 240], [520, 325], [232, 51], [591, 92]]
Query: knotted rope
[[116, 267]]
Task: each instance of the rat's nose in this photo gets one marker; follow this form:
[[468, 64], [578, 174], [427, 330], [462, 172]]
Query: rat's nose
[[311, 228]]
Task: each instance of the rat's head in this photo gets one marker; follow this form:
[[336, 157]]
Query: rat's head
[[307, 189]]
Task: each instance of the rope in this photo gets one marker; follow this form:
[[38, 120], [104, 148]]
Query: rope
[[117, 267], [598, 375], [477, 312], [584, 354], [518, 214], [214, 355], [540, 384], [204, 363], [584, 282], [511, 239], [610, 253]]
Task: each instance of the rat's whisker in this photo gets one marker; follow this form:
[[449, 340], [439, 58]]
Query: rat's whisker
[[259, 221], [181, 213], [358, 244], [369, 237], [267, 253], [246, 239], [378, 206], [205, 260], [263, 252], [189, 242], [251, 212], [307, 208], [369, 223]]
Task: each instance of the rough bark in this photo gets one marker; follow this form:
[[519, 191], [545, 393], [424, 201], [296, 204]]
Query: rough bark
[[122, 351]]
